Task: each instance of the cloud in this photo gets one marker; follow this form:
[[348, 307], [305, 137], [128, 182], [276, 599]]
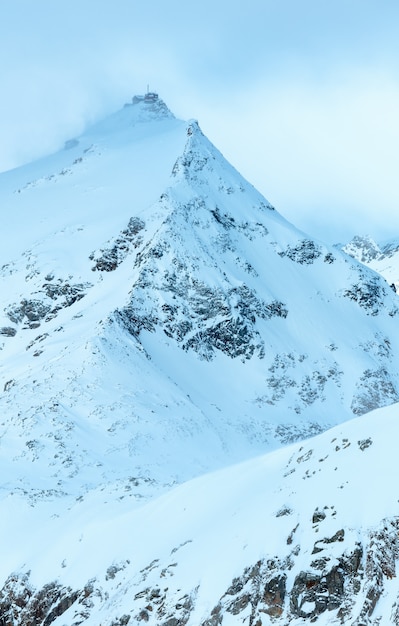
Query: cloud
[[323, 153], [301, 97]]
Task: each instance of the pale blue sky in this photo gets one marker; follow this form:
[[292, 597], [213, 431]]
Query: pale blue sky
[[302, 96]]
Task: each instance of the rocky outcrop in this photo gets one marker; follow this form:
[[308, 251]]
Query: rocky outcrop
[[54, 296], [369, 294], [365, 249], [375, 389], [348, 586], [109, 258], [305, 252], [22, 605], [32, 312], [203, 318], [8, 331]]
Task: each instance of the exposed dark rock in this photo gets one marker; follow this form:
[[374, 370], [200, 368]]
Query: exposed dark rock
[[285, 510], [320, 545], [37, 339], [143, 616], [8, 331], [232, 336], [289, 433], [236, 586], [22, 605], [365, 443], [308, 388], [262, 588], [155, 605], [63, 605], [338, 536], [368, 292], [108, 259], [376, 389], [29, 310], [8, 384], [313, 594], [200, 317], [274, 595], [239, 604], [34, 311], [174, 621], [113, 570], [122, 621], [318, 516], [215, 618], [334, 585], [227, 221], [329, 258], [381, 557], [134, 323], [69, 293], [290, 537], [320, 564], [305, 252]]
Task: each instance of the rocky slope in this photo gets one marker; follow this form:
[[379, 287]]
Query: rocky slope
[[286, 538], [159, 319]]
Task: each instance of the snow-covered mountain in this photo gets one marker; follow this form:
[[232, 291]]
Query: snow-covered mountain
[[160, 320], [383, 258]]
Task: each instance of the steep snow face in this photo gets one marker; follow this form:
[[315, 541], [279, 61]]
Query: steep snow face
[[160, 319], [383, 258]]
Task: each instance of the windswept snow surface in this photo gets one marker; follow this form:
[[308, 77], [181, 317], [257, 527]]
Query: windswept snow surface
[[63, 205], [160, 320], [304, 508]]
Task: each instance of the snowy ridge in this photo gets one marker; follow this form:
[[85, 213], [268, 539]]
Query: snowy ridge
[[160, 320]]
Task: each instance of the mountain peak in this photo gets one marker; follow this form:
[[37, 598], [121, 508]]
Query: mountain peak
[[145, 109], [363, 248], [160, 320], [381, 257], [149, 107]]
